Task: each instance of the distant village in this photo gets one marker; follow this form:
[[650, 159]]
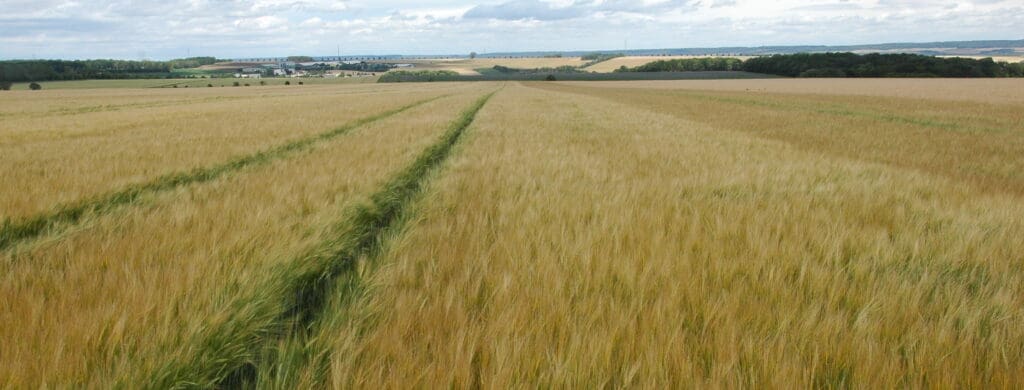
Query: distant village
[[326, 69]]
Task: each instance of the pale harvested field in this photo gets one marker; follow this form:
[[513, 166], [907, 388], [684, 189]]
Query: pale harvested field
[[1010, 59], [746, 234], [469, 66], [634, 61], [61, 147], [997, 91]]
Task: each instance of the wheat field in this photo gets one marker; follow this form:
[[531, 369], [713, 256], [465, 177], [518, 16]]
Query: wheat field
[[686, 234], [86, 144]]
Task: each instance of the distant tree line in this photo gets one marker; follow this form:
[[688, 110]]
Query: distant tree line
[[425, 76], [192, 62], [879, 65], [47, 70], [418, 76], [548, 70], [376, 67], [842, 65], [689, 65]]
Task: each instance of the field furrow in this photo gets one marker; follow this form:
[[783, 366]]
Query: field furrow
[[579, 242], [295, 300], [136, 290], [49, 222], [64, 159]]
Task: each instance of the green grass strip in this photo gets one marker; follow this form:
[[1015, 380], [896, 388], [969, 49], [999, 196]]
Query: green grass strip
[[12, 232], [229, 356]]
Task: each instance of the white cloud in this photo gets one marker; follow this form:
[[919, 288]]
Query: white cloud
[[312, 22], [264, 23], [228, 28]]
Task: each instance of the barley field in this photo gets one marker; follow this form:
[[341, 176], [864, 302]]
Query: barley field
[[655, 234]]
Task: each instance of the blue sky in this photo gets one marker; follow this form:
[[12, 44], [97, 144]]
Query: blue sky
[[226, 28]]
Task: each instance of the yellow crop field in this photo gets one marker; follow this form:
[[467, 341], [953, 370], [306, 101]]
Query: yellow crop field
[[136, 287], [83, 144], [783, 233], [1000, 92], [219, 82]]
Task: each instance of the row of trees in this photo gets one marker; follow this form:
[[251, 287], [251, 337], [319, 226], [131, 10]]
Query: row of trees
[[45, 70], [842, 65], [879, 65], [405, 76], [192, 62], [560, 69], [374, 67], [688, 65]]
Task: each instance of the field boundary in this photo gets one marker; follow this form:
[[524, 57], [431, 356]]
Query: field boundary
[[412, 76], [297, 296], [13, 232]]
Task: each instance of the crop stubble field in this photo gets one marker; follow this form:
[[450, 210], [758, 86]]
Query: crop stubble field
[[776, 233], [469, 66]]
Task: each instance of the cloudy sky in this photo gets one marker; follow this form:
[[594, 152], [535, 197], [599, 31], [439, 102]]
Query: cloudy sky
[[161, 29]]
